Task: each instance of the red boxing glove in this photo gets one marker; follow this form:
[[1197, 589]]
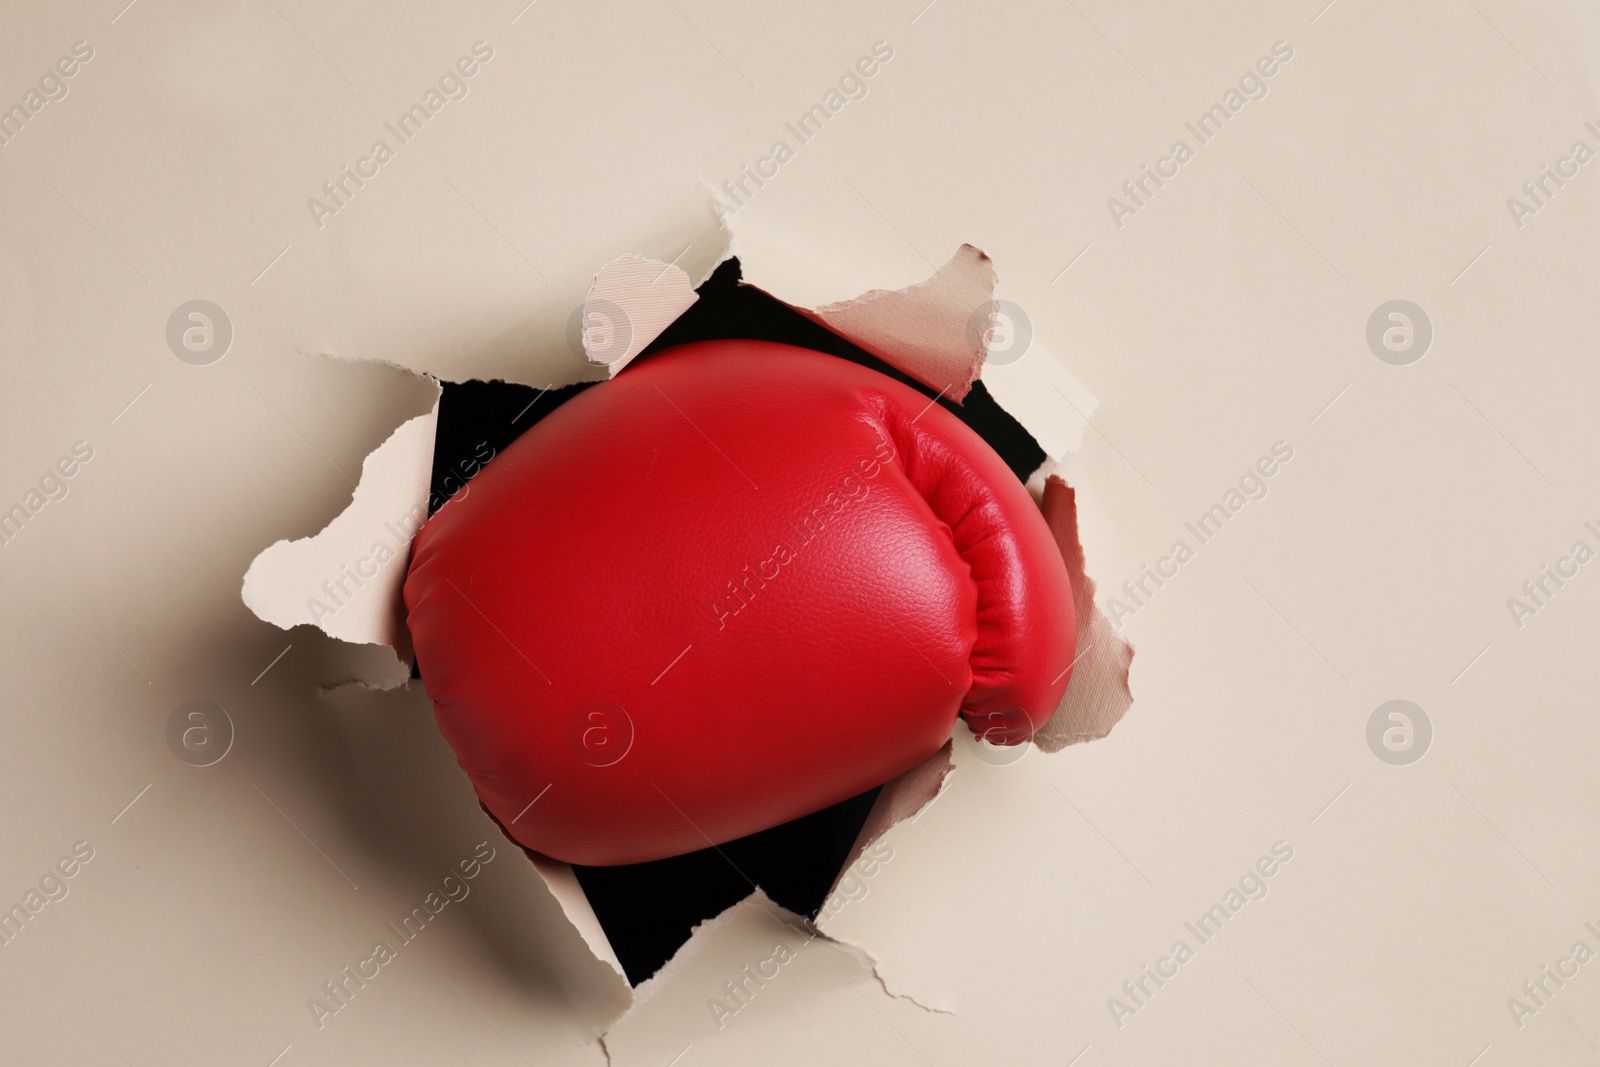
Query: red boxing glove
[[737, 584]]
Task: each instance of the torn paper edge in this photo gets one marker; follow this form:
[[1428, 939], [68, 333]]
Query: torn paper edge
[[346, 580], [937, 330], [630, 301], [700, 937], [563, 885], [320, 581], [380, 684], [924, 330], [1097, 694], [902, 798], [283, 583]]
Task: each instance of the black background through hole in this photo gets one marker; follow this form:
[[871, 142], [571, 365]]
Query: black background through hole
[[649, 909]]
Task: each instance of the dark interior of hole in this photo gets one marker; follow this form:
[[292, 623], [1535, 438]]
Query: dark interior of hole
[[648, 910]]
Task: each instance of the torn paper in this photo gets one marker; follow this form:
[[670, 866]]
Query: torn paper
[[1097, 694], [347, 579], [1045, 397], [935, 331], [631, 300], [900, 798], [563, 885], [940, 332], [721, 987]]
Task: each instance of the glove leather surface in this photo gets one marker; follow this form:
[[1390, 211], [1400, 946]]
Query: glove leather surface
[[736, 584]]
